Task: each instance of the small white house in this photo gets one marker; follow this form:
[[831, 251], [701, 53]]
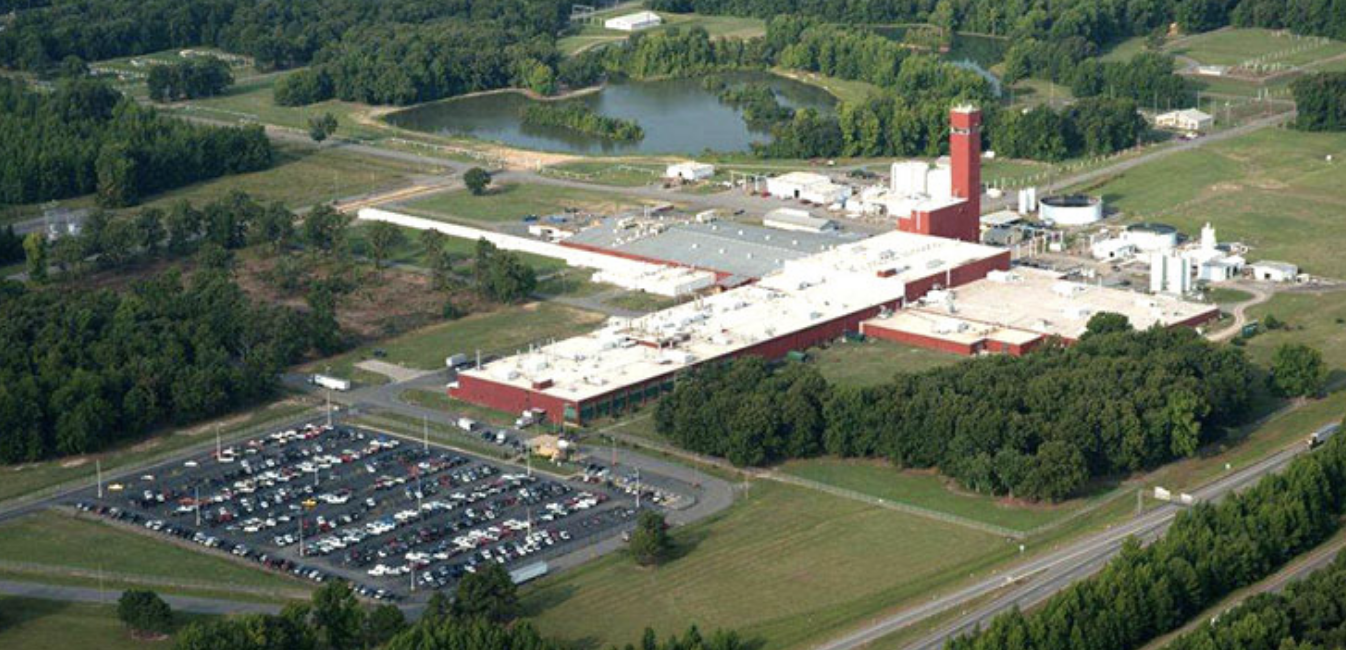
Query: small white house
[[634, 22], [690, 171], [1188, 119], [1274, 271]]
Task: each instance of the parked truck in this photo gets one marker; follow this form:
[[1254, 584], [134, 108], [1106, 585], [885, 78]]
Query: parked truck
[[333, 383], [1322, 435], [467, 424], [456, 361]]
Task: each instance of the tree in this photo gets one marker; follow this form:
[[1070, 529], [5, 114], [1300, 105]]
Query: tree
[[476, 180], [325, 229], [338, 619], [488, 593], [383, 237], [1106, 322], [35, 250], [650, 543], [144, 612], [383, 623], [1298, 370], [322, 126]]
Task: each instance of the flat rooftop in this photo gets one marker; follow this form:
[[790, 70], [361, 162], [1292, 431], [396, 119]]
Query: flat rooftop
[[725, 246], [1036, 300], [805, 292], [945, 327]]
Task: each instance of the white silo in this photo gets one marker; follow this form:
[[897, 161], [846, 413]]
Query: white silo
[[908, 177], [939, 183]]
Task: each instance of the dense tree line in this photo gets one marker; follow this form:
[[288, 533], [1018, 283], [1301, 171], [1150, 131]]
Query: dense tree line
[[1147, 77], [85, 137], [335, 620], [1036, 427], [501, 275], [680, 53], [1309, 614], [1208, 552], [758, 102], [1321, 101], [275, 33], [82, 369], [191, 78], [577, 117], [1092, 126]]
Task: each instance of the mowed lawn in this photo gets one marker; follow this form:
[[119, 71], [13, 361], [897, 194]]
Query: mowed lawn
[[31, 624], [875, 361], [1272, 189], [785, 566], [512, 202], [927, 490], [1235, 46], [504, 331], [1314, 319], [59, 540]]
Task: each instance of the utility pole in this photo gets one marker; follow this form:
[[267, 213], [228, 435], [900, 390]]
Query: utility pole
[[1140, 501], [425, 434], [329, 407], [196, 502], [301, 535], [637, 488], [98, 467], [218, 449]]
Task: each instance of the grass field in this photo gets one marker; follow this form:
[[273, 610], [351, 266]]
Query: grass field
[[499, 332], [251, 100], [927, 490], [1234, 46], [30, 624], [18, 480], [1271, 189], [58, 540], [845, 90], [641, 301], [439, 400], [1227, 296], [875, 361], [784, 566], [717, 26], [617, 174], [513, 202], [1314, 319]]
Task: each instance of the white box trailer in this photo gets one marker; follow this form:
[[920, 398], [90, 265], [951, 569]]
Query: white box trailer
[[467, 424], [333, 383], [456, 361]]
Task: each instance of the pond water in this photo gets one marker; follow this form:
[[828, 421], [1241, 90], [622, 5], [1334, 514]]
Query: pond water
[[679, 117]]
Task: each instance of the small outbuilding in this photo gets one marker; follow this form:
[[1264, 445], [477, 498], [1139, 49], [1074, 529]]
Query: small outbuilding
[[689, 171], [634, 22], [797, 220], [1187, 119], [1274, 271]]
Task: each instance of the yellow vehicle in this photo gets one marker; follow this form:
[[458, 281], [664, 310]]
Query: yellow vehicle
[[310, 503]]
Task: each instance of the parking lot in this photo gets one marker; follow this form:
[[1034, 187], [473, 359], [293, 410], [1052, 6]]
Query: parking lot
[[383, 512]]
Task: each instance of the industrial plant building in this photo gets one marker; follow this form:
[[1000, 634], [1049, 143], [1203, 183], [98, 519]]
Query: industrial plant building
[[1016, 311], [634, 22], [808, 301]]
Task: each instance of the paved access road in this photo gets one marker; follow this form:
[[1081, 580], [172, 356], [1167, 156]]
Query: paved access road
[[215, 606], [1036, 580]]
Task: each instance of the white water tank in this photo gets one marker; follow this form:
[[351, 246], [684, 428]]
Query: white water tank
[[908, 177]]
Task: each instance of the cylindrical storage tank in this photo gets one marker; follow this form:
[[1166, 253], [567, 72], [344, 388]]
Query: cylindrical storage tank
[[908, 177], [1152, 237], [1071, 210], [939, 183]]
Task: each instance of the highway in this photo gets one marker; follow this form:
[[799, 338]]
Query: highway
[[1031, 582]]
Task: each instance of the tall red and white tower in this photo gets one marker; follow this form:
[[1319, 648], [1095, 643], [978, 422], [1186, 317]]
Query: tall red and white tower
[[965, 152]]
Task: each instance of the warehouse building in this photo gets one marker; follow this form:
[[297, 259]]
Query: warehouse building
[[689, 171], [634, 22], [1188, 119], [725, 248], [1017, 311], [809, 300], [807, 186], [797, 221]]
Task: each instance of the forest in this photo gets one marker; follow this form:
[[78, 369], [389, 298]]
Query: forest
[[1320, 99], [1091, 126], [85, 137], [84, 369], [580, 118], [1038, 427], [758, 102], [204, 76], [277, 34], [1210, 551], [1309, 614]]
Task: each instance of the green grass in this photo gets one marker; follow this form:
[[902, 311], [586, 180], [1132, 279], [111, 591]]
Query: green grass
[[512, 202], [1125, 50], [786, 565], [845, 90], [251, 100], [572, 283], [1314, 319], [18, 480], [58, 540], [1271, 189], [927, 490], [1032, 92], [440, 401], [1234, 46], [591, 35], [875, 361], [409, 250], [31, 624], [1227, 296], [504, 331], [641, 301], [617, 174]]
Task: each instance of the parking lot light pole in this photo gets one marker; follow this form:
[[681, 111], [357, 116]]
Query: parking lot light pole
[[301, 535], [196, 501], [329, 406], [98, 467], [425, 434], [637, 488]]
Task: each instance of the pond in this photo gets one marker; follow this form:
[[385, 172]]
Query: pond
[[679, 117]]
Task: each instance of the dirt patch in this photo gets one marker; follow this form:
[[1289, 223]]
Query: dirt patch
[[147, 444], [1226, 187], [74, 462]]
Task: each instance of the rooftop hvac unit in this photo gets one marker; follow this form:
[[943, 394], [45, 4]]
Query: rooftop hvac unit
[[934, 264]]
